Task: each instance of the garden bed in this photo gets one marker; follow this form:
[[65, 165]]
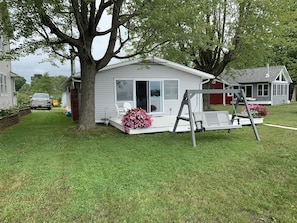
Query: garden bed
[[9, 120]]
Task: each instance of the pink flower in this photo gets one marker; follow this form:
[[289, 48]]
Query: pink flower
[[136, 118], [256, 110]]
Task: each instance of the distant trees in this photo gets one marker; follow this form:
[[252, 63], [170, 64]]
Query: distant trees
[[285, 50], [41, 83], [19, 82]]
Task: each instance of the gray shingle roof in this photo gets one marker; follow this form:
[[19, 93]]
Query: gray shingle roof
[[254, 75]]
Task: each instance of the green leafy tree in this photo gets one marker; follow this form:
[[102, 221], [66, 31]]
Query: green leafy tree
[[19, 82], [23, 95], [210, 35], [42, 83], [284, 51], [54, 25]]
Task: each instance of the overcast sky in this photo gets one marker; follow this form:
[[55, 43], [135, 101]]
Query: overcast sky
[[28, 66]]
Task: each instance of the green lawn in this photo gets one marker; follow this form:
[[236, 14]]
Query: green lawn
[[52, 173]]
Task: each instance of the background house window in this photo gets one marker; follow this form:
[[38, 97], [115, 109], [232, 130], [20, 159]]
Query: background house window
[[1, 85], [5, 84], [124, 89], [262, 89], [248, 90], [1, 44], [234, 88], [170, 89]]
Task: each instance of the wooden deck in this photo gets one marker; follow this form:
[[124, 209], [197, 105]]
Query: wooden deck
[[159, 124], [166, 124]]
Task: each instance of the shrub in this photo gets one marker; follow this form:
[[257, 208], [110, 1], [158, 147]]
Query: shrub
[[256, 110], [136, 118], [7, 112]]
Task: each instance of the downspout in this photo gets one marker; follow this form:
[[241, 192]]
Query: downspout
[[200, 98], [204, 82], [224, 95]]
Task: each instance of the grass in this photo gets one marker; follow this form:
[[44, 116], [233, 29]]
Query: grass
[[52, 173]]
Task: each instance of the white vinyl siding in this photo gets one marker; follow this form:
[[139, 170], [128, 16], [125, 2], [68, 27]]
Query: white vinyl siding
[[106, 95]]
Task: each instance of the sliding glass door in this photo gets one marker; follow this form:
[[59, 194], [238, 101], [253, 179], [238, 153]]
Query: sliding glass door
[[156, 97], [149, 95]]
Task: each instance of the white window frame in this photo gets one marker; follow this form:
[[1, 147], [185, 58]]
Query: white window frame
[[1, 43], [177, 93], [1, 84], [263, 90], [5, 84], [133, 90], [134, 80]]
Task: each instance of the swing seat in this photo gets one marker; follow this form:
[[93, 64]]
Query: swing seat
[[213, 120]]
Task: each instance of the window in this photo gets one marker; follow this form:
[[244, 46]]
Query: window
[[124, 89], [248, 90], [1, 85], [232, 88], [170, 89], [262, 89], [156, 98], [1, 44], [5, 84]]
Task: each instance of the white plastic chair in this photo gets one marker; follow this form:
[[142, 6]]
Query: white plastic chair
[[122, 110]]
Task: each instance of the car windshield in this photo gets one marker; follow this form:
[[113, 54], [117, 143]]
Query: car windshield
[[40, 95]]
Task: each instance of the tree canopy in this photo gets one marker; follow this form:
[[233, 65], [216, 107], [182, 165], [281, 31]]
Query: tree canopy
[[209, 36], [59, 25]]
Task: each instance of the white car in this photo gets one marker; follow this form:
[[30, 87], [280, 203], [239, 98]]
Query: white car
[[40, 100]]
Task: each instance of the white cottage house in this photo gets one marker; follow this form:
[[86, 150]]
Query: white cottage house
[[154, 84]]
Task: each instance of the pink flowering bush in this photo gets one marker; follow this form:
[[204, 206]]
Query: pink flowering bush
[[257, 111], [136, 118]]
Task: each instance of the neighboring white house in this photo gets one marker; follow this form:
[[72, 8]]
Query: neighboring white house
[[154, 84], [7, 79]]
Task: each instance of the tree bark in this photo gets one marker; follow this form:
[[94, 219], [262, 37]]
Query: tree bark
[[87, 102], [294, 93], [206, 98]]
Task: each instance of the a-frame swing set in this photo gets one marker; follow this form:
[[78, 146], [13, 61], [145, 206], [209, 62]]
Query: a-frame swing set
[[203, 121]]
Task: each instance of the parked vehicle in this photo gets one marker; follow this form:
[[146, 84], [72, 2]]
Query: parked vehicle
[[40, 100]]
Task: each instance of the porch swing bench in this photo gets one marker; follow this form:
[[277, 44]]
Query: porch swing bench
[[213, 120]]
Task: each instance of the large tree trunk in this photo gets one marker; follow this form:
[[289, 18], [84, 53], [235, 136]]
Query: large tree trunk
[[87, 102], [206, 98], [294, 93]]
